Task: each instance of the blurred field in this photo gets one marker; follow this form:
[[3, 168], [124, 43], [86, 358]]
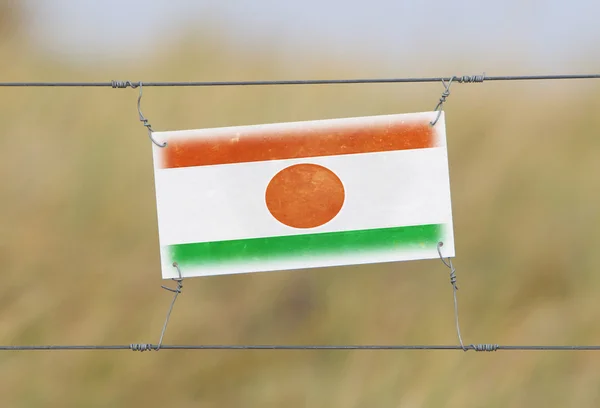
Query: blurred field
[[79, 247]]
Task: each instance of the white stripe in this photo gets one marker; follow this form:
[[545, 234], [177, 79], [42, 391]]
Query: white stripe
[[224, 202]]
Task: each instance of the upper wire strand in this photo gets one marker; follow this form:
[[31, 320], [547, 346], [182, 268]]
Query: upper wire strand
[[471, 79]]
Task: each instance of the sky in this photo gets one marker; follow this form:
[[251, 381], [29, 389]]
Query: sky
[[547, 35]]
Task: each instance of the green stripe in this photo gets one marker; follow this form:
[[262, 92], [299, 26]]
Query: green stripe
[[307, 245]]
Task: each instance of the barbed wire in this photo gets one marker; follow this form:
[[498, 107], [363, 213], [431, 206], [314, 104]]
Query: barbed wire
[[459, 79], [152, 347]]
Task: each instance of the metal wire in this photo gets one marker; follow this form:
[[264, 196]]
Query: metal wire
[[459, 79], [438, 107], [139, 108], [454, 290], [152, 347], [176, 292]]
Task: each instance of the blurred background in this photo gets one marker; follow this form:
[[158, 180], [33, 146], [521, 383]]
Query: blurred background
[[78, 234]]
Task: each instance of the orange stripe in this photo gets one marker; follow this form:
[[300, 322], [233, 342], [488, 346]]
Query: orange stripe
[[273, 144]]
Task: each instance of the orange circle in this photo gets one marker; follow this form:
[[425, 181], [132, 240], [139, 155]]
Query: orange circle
[[305, 196]]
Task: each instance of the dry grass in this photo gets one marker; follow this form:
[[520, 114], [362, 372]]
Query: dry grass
[[78, 245]]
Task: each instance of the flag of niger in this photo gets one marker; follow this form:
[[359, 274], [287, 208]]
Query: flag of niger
[[303, 194]]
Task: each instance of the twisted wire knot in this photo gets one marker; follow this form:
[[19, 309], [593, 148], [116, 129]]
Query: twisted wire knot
[[124, 84], [445, 95], [146, 124], [141, 347], [453, 277], [468, 79], [484, 347], [449, 265]]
